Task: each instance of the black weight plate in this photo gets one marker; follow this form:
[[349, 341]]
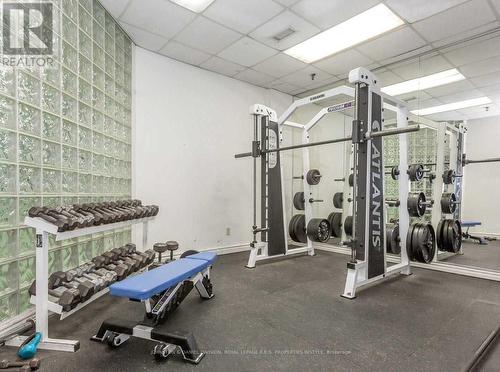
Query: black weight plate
[[448, 203], [299, 201], [426, 243], [409, 242], [392, 238], [416, 240], [456, 235], [447, 244], [313, 177], [414, 204], [291, 228], [421, 207], [351, 180], [439, 236], [318, 229], [348, 225], [416, 172], [338, 198], [300, 228], [448, 176], [335, 219], [395, 173]]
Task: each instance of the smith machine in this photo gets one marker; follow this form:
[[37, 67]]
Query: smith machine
[[368, 254]]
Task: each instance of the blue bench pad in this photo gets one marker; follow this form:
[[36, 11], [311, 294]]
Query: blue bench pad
[[151, 282], [470, 223], [210, 257]]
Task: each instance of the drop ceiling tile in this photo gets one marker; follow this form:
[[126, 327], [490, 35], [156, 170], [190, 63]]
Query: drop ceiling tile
[[286, 2], [303, 77], [115, 8], [183, 53], [247, 52], [462, 96], [343, 62], [242, 15], [286, 20], [326, 84], [417, 104], [461, 18], [486, 80], [392, 44], [143, 38], [423, 67], [445, 90], [326, 14], [283, 87], [445, 116], [478, 111], [279, 65], [481, 68], [157, 16], [418, 96], [474, 52], [414, 10], [492, 90], [206, 35], [387, 78], [496, 5], [222, 66], [254, 77], [469, 34]]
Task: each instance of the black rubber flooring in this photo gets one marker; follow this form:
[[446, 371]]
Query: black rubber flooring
[[288, 315]]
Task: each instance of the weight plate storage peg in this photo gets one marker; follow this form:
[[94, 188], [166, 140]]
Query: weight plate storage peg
[[351, 180], [297, 228], [416, 172], [392, 237], [448, 203], [348, 225], [313, 177], [335, 219], [421, 242], [416, 204], [338, 199], [318, 230], [448, 176], [299, 201]]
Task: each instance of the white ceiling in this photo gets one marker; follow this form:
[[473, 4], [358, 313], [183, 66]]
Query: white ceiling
[[235, 38]]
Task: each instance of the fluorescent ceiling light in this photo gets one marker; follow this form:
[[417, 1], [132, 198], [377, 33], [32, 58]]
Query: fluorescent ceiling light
[[364, 26], [196, 6], [425, 82], [452, 106]]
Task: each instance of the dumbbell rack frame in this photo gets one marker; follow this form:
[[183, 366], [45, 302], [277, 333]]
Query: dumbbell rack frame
[[41, 300]]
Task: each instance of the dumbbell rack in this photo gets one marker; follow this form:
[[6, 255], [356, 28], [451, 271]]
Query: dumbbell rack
[[41, 300]]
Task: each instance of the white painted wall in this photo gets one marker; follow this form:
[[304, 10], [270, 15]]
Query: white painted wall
[[188, 125], [482, 181]]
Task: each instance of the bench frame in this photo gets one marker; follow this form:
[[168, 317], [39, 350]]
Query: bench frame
[[115, 332]]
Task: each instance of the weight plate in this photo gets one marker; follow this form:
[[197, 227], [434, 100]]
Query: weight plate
[[395, 173], [299, 201], [338, 198], [439, 235], [392, 237], [409, 242], [318, 229], [448, 203], [291, 228], [313, 177], [448, 176], [426, 243], [300, 229], [456, 235], [416, 204], [351, 180], [416, 172], [335, 219], [348, 225]]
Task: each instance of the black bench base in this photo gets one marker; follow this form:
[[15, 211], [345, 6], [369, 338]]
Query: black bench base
[[115, 332]]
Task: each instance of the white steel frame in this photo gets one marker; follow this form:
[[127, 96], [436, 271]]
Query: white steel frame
[[41, 300]]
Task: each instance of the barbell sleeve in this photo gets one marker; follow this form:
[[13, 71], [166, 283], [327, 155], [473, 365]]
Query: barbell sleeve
[[243, 155]]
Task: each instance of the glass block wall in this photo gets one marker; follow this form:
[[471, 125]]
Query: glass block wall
[[65, 137], [421, 150]]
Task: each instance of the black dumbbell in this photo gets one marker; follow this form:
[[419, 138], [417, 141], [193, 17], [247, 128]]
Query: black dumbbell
[[104, 262], [59, 278], [77, 274]]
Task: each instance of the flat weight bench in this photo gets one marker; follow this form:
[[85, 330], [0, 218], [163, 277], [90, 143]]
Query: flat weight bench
[[161, 290], [468, 224]]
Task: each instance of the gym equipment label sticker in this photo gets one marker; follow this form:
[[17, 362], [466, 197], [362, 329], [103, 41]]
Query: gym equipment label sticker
[[273, 144]]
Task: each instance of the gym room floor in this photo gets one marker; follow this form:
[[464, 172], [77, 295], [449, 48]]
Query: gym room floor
[[428, 321]]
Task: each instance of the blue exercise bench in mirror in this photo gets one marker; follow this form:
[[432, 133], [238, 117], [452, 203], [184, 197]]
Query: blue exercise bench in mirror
[[161, 290]]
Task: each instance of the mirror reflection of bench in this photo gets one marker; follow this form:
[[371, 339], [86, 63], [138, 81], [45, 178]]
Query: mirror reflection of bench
[[161, 290]]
